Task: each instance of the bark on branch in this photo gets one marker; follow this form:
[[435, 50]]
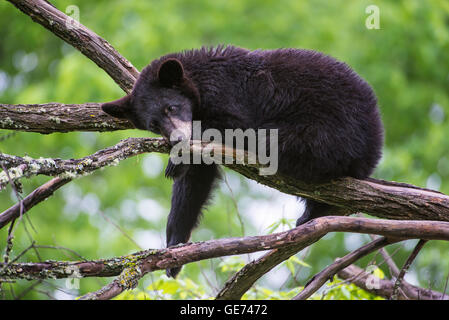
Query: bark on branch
[[244, 279], [379, 198], [19, 167], [66, 170], [58, 117], [328, 273]]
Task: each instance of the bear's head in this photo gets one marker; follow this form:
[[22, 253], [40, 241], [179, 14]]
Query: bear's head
[[162, 101]]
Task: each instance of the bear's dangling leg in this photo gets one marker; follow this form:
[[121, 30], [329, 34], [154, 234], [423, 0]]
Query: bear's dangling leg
[[191, 190], [316, 209], [173, 171]]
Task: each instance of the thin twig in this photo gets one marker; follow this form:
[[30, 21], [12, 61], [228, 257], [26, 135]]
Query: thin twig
[[30, 288], [384, 287], [445, 285], [405, 268], [119, 229], [242, 226], [394, 270], [76, 254]]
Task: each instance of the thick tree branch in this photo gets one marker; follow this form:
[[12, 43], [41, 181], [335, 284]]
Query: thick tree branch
[[58, 117], [380, 198], [19, 167], [151, 260], [89, 43]]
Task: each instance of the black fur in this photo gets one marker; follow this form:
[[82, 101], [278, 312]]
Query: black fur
[[327, 116]]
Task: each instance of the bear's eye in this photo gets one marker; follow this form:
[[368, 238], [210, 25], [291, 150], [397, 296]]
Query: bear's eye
[[170, 109]]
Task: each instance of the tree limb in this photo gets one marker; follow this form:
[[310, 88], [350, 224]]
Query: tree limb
[[384, 199], [58, 117], [327, 273], [37, 196], [127, 280], [379, 198], [245, 278], [89, 43], [384, 289], [151, 260], [19, 167]]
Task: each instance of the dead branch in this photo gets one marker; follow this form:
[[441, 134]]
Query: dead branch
[[384, 287]]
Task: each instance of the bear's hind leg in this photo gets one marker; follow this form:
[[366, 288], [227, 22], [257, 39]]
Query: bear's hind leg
[[316, 209]]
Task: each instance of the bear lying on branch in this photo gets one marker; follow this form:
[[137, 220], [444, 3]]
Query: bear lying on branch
[[325, 115]]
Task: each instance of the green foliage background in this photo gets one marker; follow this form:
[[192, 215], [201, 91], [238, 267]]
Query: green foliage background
[[406, 61]]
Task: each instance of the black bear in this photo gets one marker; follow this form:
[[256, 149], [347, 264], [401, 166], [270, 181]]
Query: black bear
[[326, 115]]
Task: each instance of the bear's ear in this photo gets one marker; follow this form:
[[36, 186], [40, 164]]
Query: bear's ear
[[118, 108], [171, 72]]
